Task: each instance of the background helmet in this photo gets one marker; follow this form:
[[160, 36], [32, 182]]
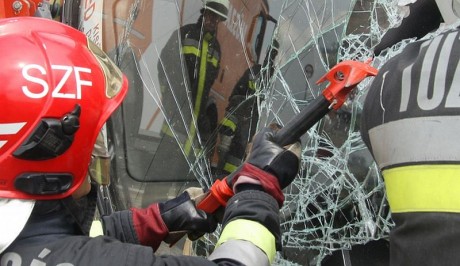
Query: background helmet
[[58, 90], [220, 7]]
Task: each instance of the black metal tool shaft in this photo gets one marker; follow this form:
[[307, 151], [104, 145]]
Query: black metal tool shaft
[[303, 121]]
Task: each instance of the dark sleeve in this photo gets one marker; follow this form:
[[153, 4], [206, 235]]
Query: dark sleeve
[[119, 226], [251, 229], [97, 251], [256, 206], [137, 226], [424, 17]]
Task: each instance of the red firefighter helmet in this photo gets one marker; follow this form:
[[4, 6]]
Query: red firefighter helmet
[[58, 90]]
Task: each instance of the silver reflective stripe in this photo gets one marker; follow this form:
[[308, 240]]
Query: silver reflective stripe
[[190, 42], [241, 251], [214, 54], [423, 139]]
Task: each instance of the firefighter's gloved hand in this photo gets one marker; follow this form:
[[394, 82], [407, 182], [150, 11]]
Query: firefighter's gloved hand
[[268, 167], [181, 216], [283, 162]]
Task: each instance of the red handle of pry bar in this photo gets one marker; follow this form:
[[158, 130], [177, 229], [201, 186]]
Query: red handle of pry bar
[[218, 195]]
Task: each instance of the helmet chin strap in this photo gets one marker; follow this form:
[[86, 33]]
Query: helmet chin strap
[[83, 209]]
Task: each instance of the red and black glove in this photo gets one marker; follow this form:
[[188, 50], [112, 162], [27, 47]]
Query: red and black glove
[[171, 220], [268, 167], [181, 216]]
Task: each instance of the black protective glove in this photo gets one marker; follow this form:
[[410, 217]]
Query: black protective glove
[[181, 216], [269, 166], [269, 156]]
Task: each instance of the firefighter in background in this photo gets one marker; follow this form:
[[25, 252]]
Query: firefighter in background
[[240, 122], [55, 102], [410, 123], [188, 66]]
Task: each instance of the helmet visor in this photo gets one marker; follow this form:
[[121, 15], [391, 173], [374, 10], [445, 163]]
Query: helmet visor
[[113, 75]]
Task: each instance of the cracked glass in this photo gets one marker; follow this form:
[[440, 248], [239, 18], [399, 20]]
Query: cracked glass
[[203, 82]]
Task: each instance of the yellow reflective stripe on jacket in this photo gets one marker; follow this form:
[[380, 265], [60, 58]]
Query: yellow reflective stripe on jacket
[[229, 167], [252, 85], [191, 50], [251, 231], [213, 60], [423, 188], [199, 93], [228, 123]]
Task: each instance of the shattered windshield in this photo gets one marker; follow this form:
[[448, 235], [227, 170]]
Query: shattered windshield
[[202, 82]]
